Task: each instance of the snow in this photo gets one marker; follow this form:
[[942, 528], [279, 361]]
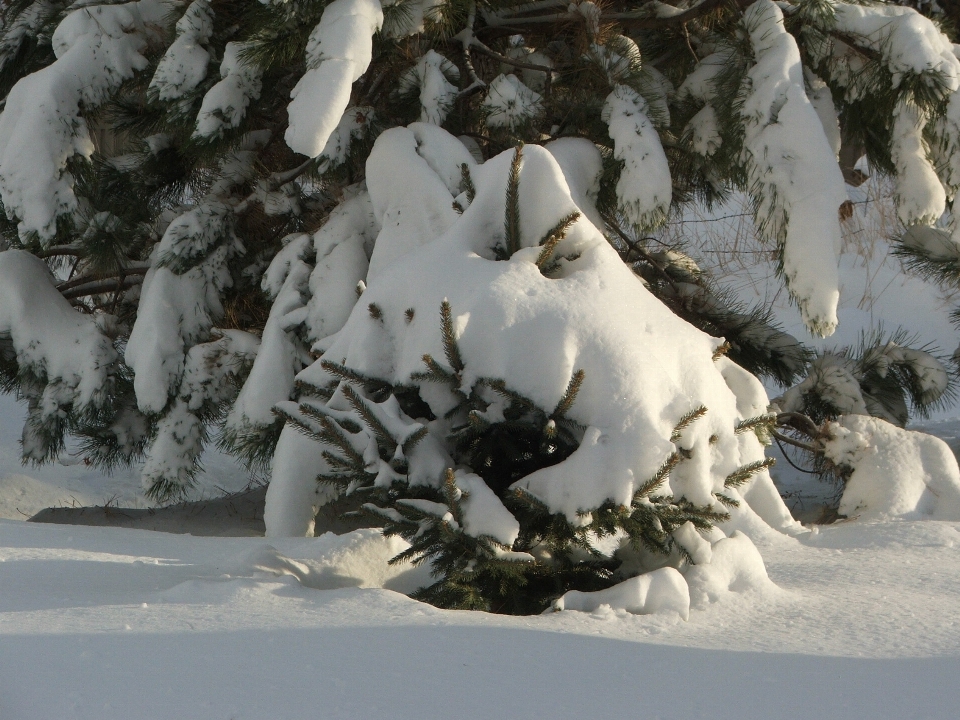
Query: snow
[[338, 52], [920, 196], [225, 104], [65, 352], [896, 472], [184, 65], [113, 623], [794, 177], [433, 78], [658, 591], [509, 103], [97, 49], [909, 43], [483, 513], [644, 189]]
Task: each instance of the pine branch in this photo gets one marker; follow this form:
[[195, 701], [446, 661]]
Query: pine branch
[[685, 421], [569, 396], [466, 183], [370, 418], [741, 475], [512, 218], [766, 420], [658, 478], [450, 347], [557, 233]]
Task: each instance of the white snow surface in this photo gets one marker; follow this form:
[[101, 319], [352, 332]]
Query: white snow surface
[[112, 623], [97, 48]]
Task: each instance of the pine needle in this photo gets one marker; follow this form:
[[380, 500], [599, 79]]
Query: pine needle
[[512, 218], [686, 421], [557, 233], [569, 395], [450, 347]]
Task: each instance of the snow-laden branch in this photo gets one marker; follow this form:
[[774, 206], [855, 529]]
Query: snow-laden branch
[[793, 173], [338, 53], [41, 127]]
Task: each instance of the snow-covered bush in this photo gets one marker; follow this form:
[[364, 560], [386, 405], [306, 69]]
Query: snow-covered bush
[[434, 245], [489, 387]]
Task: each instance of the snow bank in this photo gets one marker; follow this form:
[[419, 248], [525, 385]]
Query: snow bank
[[357, 559], [735, 567], [895, 472]]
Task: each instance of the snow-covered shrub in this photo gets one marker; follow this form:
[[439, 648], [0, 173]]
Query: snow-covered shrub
[[492, 398]]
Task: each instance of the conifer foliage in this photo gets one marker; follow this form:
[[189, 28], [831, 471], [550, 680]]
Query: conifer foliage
[[238, 220]]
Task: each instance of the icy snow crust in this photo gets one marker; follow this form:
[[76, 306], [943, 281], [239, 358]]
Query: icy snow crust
[[97, 48], [644, 367]]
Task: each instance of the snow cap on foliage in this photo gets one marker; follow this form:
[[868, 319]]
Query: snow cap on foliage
[[509, 103], [225, 104], [644, 367], [184, 65], [338, 52], [795, 180], [432, 77], [919, 195], [909, 43], [644, 190], [97, 49], [63, 348]]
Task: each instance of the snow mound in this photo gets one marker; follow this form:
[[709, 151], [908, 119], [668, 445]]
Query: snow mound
[[358, 559], [735, 567], [659, 591], [895, 472]]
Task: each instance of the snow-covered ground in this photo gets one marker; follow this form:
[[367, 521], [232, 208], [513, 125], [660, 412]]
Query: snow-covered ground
[[105, 623]]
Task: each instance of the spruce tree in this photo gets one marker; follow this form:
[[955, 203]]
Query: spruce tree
[[205, 204]]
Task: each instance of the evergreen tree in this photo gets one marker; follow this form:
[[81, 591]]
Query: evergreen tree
[[207, 206]]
